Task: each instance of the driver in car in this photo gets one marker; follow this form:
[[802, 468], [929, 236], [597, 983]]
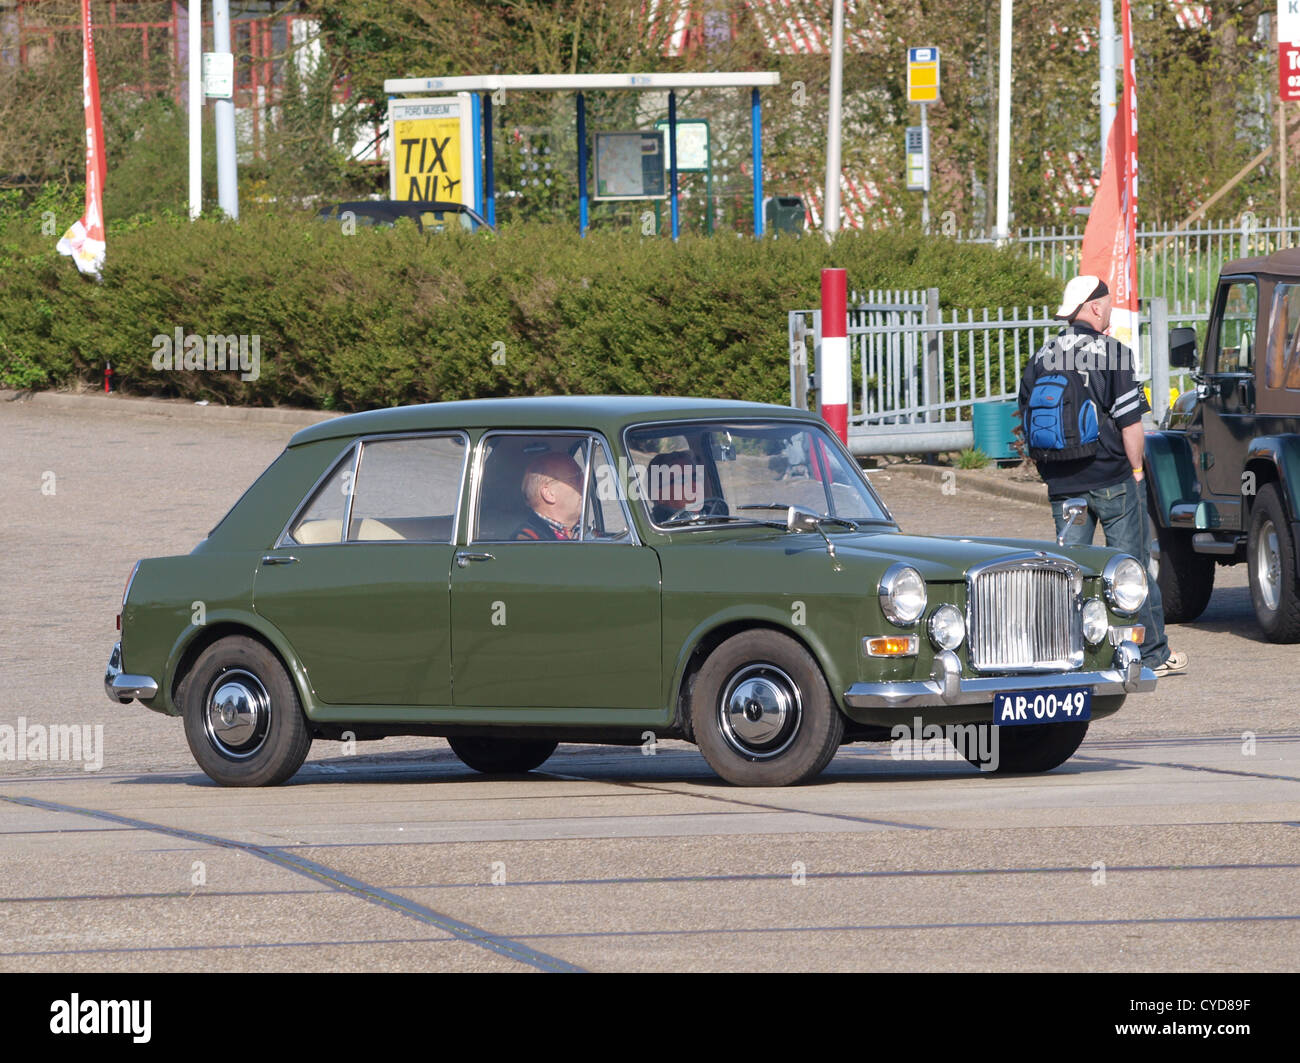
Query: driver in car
[[673, 484]]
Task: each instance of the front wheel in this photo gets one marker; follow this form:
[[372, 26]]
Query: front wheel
[[1186, 578], [1029, 748], [1271, 561], [761, 712], [501, 756], [243, 721]]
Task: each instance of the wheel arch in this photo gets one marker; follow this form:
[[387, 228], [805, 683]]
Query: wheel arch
[[1274, 459], [1170, 471], [197, 638], [709, 636]]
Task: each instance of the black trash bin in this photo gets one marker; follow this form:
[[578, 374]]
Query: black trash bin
[[784, 214]]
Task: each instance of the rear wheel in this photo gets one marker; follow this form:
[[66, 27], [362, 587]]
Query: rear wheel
[[761, 712], [243, 721], [1186, 578], [501, 756], [1271, 561]]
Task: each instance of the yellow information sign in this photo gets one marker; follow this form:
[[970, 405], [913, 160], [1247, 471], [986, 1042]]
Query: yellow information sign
[[922, 75], [429, 160]]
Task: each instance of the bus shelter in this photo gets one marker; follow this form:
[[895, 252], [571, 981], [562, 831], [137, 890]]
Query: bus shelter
[[482, 88]]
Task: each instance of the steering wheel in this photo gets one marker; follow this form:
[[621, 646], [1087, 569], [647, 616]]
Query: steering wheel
[[710, 507]]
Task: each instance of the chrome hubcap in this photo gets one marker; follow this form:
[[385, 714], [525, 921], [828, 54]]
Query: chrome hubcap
[[759, 711], [237, 715], [1268, 563]]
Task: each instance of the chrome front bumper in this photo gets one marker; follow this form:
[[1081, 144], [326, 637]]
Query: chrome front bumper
[[120, 686], [947, 687]]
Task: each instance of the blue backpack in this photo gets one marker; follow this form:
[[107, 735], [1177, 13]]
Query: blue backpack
[[1060, 419]]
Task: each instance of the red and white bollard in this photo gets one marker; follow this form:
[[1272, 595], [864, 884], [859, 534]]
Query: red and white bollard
[[833, 363]]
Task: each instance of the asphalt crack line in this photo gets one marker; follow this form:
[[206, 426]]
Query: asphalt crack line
[[335, 880]]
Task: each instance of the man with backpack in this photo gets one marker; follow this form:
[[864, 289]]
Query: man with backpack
[[1081, 409]]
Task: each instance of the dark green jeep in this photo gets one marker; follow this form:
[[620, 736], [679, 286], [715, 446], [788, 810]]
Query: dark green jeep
[[1224, 471]]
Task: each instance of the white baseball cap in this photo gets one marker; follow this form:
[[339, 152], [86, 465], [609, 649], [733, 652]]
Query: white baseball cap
[[1081, 290]]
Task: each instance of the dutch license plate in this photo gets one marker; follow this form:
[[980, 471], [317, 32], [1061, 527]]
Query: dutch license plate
[[1042, 706]]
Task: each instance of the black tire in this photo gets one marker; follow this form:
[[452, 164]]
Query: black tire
[[501, 756], [784, 726], [243, 720], [1031, 748], [1271, 561], [1185, 578]]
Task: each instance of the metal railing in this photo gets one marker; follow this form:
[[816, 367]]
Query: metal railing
[[915, 372], [1180, 266]]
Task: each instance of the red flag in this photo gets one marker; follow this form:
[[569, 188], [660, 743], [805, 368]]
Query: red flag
[[1110, 237], [84, 241]]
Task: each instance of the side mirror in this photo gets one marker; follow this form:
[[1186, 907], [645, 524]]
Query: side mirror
[[799, 519], [1073, 509], [1182, 348]]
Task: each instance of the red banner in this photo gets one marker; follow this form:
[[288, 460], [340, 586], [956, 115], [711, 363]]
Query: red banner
[[84, 241], [1110, 238]]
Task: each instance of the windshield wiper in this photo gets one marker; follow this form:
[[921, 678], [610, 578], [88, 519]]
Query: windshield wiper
[[843, 522], [700, 518]]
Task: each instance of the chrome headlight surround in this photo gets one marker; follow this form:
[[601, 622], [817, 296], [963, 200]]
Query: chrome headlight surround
[[1096, 622], [902, 594], [1126, 584], [947, 627]]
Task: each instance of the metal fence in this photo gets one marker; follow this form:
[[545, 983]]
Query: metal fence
[[916, 372], [1180, 266]]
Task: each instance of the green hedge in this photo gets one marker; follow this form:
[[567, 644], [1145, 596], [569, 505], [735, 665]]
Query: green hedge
[[387, 317]]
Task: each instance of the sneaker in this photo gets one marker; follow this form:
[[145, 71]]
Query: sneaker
[[1175, 664]]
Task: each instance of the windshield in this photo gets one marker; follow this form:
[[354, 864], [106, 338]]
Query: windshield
[[716, 472]]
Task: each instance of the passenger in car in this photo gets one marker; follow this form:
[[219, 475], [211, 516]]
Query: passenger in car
[[552, 486]]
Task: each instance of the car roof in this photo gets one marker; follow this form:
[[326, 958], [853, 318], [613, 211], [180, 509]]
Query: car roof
[[1284, 263], [606, 413]]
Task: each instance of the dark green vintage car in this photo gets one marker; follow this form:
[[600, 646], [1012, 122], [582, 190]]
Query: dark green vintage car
[[514, 573]]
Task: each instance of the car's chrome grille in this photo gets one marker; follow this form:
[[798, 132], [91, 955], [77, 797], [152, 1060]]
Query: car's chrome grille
[[1024, 617]]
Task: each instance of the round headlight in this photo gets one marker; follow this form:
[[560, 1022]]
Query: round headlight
[[948, 628], [1095, 621], [902, 594], [1126, 584]]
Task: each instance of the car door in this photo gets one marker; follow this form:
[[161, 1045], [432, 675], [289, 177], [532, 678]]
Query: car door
[[1228, 407], [545, 623], [359, 581]]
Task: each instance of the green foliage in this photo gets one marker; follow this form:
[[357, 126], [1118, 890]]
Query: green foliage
[[972, 458], [387, 317]]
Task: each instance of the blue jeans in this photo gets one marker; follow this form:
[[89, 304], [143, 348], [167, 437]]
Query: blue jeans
[[1122, 511]]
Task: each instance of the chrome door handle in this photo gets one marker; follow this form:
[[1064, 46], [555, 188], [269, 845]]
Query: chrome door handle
[[279, 559], [464, 557]]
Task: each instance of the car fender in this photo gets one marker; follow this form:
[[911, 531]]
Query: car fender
[[1282, 452], [1171, 472], [252, 622], [752, 615]]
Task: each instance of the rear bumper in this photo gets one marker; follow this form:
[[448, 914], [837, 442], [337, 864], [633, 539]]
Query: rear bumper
[[947, 687], [121, 686]]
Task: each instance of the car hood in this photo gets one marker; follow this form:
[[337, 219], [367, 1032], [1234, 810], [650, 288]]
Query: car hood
[[947, 558]]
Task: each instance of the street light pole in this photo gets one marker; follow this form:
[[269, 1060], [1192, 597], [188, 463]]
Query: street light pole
[[1004, 125], [1107, 50], [194, 29], [831, 215]]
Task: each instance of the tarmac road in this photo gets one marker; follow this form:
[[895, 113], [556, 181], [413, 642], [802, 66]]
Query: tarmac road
[[1171, 841]]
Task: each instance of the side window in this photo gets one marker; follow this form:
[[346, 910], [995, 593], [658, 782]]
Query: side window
[[530, 487], [408, 489], [1283, 367], [322, 520], [605, 519], [1233, 349]]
